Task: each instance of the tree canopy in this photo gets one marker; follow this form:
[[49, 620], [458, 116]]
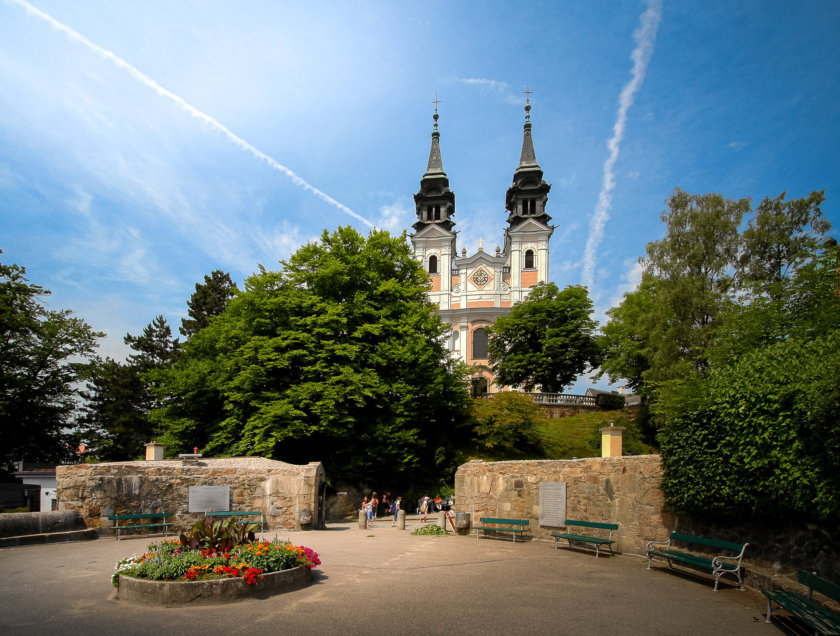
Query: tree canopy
[[732, 337], [547, 340], [115, 420], [506, 423], [209, 299], [42, 352], [338, 357]]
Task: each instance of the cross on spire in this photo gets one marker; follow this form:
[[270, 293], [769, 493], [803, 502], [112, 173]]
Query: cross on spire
[[527, 92], [436, 102]]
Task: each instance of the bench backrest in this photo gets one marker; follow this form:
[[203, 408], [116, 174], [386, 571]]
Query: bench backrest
[[592, 524], [712, 543], [514, 522], [148, 515], [230, 513], [821, 585]]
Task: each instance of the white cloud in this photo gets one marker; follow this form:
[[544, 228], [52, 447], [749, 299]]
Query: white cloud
[[629, 281], [492, 86], [737, 145], [394, 217], [282, 242], [8, 177], [645, 37], [189, 108]]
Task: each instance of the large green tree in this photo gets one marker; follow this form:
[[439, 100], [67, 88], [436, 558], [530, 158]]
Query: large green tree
[[337, 357], [115, 420], [547, 340], [705, 270], [209, 299], [41, 352], [506, 423]]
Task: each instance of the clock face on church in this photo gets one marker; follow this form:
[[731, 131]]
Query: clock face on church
[[480, 277]]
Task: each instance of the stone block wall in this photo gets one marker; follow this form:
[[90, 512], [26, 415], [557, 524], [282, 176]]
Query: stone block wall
[[626, 490], [281, 491], [622, 490]]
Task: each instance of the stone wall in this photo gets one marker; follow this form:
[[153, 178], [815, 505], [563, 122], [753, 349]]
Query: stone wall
[[622, 490], [281, 491], [556, 411], [626, 490]]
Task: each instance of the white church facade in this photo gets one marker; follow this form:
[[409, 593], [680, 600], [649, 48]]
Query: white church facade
[[472, 291]]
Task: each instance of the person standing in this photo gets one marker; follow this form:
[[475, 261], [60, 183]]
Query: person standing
[[424, 508], [396, 507]]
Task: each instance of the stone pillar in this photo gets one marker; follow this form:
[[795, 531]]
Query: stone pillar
[[611, 441], [441, 519], [154, 452], [362, 520], [401, 520]]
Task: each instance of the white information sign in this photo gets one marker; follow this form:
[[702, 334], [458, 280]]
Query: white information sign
[[553, 503], [207, 498]]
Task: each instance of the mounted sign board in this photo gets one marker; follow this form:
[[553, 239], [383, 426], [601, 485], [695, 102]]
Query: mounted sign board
[[207, 498], [553, 503]]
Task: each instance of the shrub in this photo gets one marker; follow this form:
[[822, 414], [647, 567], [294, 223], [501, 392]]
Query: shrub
[[610, 401]]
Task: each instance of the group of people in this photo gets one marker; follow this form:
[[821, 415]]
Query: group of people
[[426, 505], [375, 507]]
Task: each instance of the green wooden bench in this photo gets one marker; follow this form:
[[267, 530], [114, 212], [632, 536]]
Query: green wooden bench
[[573, 538], [163, 523], [239, 513], [717, 565], [491, 524], [806, 608]]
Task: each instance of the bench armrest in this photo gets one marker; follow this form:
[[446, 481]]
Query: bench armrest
[[652, 545], [737, 558]]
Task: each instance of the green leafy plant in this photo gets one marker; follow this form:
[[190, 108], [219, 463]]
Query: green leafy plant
[[430, 530], [218, 536]]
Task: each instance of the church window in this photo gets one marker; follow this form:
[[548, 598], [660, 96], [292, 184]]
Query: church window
[[529, 259], [437, 213], [433, 265], [479, 344]]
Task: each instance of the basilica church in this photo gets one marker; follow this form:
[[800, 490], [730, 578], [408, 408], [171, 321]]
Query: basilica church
[[472, 291]]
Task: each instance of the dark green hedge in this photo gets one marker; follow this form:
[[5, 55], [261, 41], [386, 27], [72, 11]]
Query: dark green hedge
[[759, 438]]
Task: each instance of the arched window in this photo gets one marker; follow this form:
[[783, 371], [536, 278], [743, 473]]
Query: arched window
[[479, 344], [433, 265], [529, 259]]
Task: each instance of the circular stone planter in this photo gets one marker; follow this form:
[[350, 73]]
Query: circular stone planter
[[210, 592]]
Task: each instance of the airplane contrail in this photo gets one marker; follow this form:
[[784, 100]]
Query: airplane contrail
[[189, 108], [645, 37]]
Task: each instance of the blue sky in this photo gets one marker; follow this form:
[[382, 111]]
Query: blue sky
[[145, 144]]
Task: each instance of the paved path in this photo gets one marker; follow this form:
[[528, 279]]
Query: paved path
[[385, 581]]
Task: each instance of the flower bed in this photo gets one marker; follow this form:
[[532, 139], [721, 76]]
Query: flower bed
[[172, 573]]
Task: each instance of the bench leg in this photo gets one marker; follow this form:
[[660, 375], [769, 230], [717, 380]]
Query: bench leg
[[597, 550], [769, 611]]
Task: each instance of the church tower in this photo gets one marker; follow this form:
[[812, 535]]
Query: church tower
[[472, 291], [528, 231], [434, 240]]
